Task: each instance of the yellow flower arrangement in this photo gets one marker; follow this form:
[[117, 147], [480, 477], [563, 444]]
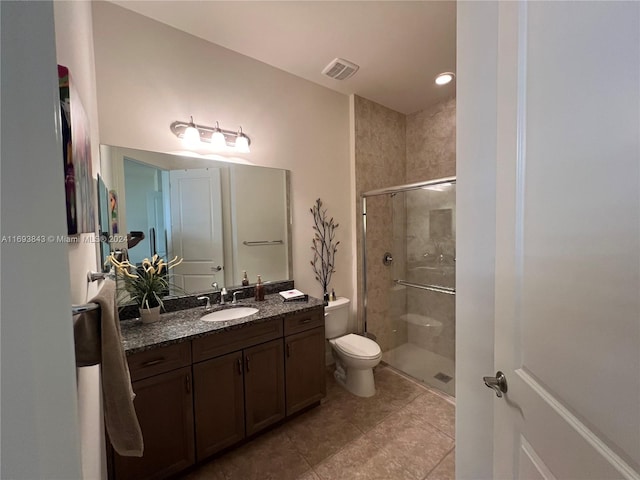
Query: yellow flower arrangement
[[147, 283]]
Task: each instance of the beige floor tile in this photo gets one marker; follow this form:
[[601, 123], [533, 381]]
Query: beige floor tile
[[271, 456], [413, 442], [321, 432], [435, 410], [310, 475], [362, 460], [446, 470], [393, 392], [397, 389], [210, 471]]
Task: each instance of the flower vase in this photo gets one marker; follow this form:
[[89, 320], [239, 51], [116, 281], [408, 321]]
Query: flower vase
[[150, 315], [326, 299]]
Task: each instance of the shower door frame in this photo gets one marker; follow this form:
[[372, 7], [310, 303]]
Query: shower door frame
[[388, 191]]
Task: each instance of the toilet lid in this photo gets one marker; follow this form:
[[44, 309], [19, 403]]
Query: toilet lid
[[358, 346]]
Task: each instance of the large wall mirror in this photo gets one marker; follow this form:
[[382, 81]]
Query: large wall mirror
[[222, 218]]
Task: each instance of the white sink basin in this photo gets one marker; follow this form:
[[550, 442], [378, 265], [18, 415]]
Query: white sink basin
[[229, 314]]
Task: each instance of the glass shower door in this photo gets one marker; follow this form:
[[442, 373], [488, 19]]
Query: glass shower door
[[414, 315]]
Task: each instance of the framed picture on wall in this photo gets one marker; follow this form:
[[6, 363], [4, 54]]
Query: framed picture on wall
[[113, 210], [76, 153]]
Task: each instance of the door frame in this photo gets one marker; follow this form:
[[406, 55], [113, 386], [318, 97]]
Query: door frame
[[476, 153]]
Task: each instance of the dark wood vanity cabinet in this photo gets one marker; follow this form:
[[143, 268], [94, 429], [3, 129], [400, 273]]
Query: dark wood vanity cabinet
[[304, 345], [196, 398], [264, 386], [164, 406], [219, 403], [237, 395]]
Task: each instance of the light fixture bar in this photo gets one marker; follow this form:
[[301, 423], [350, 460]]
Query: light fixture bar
[[230, 136]]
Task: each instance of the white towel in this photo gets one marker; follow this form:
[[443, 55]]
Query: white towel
[[120, 415]]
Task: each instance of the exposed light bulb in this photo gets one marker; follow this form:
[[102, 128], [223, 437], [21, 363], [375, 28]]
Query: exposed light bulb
[[191, 136], [218, 142], [444, 78], [242, 142]]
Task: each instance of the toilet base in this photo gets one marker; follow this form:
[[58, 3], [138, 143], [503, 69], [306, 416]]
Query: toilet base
[[357, 381]]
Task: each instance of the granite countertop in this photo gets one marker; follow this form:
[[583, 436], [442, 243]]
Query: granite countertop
[[184, 325]]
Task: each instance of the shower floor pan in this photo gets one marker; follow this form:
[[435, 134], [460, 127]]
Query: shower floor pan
[[423, 365]]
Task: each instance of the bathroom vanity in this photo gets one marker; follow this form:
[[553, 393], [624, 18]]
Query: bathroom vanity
[[202, 387]]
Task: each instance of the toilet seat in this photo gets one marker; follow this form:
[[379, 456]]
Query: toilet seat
[[357, 346]]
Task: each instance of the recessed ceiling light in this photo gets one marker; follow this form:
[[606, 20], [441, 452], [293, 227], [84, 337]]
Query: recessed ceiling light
[[445, 78]]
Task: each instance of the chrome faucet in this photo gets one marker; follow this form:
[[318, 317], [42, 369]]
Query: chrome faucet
[[208, 305], [235, 297], [223, 292]]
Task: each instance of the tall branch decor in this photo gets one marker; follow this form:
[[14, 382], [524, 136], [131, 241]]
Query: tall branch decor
[[323, 245]]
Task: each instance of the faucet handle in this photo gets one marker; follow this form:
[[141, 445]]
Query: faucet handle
[[235, 296], [215, 286], [208, 305]]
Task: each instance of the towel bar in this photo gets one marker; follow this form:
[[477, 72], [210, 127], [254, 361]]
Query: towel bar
[[95, 276], [87, 307]]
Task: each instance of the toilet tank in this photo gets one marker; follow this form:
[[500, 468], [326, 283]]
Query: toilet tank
[[336, 318]]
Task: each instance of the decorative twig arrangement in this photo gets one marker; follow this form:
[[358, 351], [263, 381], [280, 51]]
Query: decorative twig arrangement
[[323, 246]]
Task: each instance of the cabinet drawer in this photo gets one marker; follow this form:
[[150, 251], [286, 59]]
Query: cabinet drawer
[[299, 322], [159, 360], [237, 339]]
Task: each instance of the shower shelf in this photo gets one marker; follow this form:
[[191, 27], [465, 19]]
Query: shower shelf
[[431, 288]]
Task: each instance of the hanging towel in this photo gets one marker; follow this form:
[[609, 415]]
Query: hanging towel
[[86, 336], [120, 416]]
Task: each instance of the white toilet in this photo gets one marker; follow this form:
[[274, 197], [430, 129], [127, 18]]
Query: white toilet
[[355, 355]]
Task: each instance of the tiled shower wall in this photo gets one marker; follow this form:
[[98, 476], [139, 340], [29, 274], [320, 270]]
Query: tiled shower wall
[[394, 149], [380, 162]]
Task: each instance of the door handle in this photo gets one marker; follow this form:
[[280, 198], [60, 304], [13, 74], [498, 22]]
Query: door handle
[[498, 383]]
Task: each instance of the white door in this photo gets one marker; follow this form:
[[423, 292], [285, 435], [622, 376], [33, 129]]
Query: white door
[[567, 278], [196, 228]]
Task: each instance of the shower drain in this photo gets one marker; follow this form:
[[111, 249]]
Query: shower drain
[[443, 377]]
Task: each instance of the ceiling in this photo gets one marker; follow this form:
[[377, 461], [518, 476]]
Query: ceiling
[[400, 46]]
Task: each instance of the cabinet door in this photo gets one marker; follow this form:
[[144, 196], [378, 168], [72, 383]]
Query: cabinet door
[[164, 406], [305, 369], [264, 385], [219, 403]]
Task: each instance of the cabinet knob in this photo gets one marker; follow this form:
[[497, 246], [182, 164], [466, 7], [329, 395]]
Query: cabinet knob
[[288, 350], [246, 361], [239, 367], [187, 383]]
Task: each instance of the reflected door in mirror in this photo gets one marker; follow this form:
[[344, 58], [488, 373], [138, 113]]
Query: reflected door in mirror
[[196, 228]]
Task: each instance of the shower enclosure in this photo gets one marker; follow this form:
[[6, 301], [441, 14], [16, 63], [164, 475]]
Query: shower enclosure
[[408, 273]]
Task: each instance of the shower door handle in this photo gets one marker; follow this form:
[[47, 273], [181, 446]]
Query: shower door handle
[[497, 383]]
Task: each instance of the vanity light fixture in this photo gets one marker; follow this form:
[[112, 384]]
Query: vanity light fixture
[[242, 142], [217, 138], [445, 78], [191, 136], [196, 136]]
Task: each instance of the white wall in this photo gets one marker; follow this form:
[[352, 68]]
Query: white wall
[[477, 38], [39, 411], [74, 48], [149, 75]]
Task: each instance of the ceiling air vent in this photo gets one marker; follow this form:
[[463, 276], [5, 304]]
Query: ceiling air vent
[[340, 69]]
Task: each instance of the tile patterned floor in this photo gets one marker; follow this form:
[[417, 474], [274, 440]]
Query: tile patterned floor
[[404, 432], [423, 365]]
